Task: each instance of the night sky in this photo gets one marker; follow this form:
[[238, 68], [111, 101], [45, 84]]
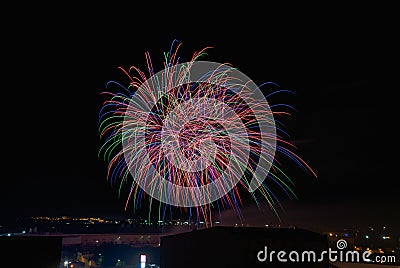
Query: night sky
[[56, 64]]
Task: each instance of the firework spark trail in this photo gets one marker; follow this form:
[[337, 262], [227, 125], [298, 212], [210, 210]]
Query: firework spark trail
[[193, 143]]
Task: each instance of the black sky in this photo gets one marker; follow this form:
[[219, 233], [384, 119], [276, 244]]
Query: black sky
[[57, 63]]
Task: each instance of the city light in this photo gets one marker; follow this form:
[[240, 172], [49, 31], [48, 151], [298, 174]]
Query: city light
[[143, 261]]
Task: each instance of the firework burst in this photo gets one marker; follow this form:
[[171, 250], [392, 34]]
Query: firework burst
[[192, 136]]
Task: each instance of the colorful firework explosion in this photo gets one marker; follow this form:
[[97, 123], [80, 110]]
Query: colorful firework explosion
[[193, 135]]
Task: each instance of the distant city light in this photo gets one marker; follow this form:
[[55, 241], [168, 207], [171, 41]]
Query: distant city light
[[143, 261]]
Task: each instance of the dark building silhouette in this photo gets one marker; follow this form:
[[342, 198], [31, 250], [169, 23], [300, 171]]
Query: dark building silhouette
[[31, 251], [239, 247]]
